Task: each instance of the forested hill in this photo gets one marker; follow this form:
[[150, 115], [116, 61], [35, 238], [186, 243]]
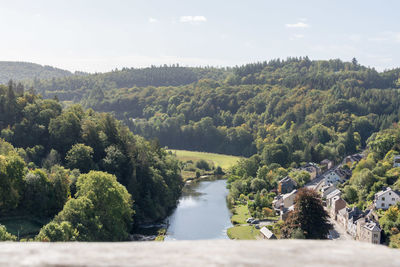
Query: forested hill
[[54, 143], [20, 71], [81, 87], [290, 110]]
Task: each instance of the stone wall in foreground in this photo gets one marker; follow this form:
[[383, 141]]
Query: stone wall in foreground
[[200, 253]]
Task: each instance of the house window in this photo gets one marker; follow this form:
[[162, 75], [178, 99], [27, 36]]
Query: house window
[[393, 199], [375, 235], [383, 204], [390, 193], [383, 199]]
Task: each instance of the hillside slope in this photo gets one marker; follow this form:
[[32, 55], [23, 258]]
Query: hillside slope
[[19, 71], [286, 110]]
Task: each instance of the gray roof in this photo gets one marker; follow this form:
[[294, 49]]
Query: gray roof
[[388, 189], [287, 179], [372, 226], [334, 193], [267, 233]]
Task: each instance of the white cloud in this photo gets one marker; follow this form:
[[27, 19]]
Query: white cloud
[[355, 37], [193, 19], [298, 36], [298, 25], [153, 20], [387, 36]]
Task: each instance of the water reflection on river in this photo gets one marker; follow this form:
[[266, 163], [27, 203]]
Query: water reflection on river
[[202, 213]]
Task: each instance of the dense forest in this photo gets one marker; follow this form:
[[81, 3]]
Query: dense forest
[[82, 87], [23, 71], [86, 168], [287, 111]]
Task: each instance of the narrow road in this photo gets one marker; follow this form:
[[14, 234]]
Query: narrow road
[[338, 232]]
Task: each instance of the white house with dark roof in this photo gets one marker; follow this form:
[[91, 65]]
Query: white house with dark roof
[[386, 198], [336, 176]]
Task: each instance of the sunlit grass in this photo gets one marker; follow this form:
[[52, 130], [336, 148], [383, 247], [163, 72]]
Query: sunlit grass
[[243, 232], [224, 161], [240, 214]]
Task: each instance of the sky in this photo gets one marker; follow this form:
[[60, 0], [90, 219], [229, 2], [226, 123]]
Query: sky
[[99, 36]]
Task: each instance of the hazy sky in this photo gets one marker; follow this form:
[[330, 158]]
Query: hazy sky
[[103, 35]]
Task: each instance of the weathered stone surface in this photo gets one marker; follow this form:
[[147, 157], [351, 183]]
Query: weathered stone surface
[[200, 253]]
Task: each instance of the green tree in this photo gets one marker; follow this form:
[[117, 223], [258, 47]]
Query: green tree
[[276, 153], [202, 164], [59, 179], [258, 184], [37, 198], [5, 236], [57, 232], [102, 210], [350, 194], [11, 178], [80, 157], [65, 131], [301, 177]]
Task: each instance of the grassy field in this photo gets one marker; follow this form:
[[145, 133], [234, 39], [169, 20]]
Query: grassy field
[[224, 161], [247, 232], [240, 214], [25, 226]]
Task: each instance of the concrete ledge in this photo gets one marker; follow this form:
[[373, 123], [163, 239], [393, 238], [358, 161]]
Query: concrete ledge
[[200, 253]]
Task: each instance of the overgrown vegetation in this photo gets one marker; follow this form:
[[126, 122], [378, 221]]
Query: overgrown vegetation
[[46, 153]]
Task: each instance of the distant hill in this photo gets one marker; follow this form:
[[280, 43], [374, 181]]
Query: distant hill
[[78, 87], [19, 71]]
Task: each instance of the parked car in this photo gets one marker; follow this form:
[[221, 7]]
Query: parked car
[[255, 222], [250, 220]]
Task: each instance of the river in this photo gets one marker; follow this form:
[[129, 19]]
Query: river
[[201, 213]]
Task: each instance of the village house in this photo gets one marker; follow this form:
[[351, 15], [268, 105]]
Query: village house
[[386, 198], [349, 160], [337, 203], [286, 185], [368, 231], [336, 176], [331, 177], [327, 164], [331, 195], [284, 200], [284, 212], [347, 216], [327, 189], [312, 169], [266, 233]]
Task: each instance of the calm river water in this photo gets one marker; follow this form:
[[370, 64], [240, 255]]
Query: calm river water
[[202, 213]]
